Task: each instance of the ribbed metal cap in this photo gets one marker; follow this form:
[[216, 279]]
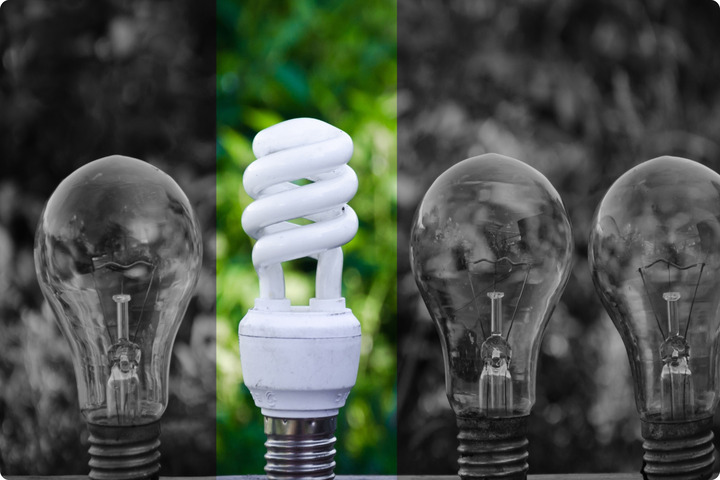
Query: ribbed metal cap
[[124, 452], [493, 448], [679, 450], [300, 448]]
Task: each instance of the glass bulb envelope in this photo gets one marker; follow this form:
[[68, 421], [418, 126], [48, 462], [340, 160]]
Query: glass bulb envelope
[[655, 259], [491, 248], [118, 253]]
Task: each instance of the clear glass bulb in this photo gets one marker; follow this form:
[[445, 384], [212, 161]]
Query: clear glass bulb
[[117, 254], [655, 259], [491, 248]]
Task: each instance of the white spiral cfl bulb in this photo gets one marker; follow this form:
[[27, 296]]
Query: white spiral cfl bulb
[[300, 362]]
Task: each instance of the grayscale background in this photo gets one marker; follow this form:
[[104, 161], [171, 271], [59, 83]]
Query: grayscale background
[[582, 90]]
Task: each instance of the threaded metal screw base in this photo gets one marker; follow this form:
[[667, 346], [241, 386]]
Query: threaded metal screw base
[[124, 452], [493, 448], [678, 451], [300, 448]]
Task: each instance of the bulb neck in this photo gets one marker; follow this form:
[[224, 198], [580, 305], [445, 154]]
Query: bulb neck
[[300, 448], [493, 448], [678, 450], [124, 452]]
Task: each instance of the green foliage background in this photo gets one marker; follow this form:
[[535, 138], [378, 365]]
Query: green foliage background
[[336, 61]]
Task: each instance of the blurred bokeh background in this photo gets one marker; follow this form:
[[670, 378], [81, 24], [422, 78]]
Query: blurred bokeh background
[[80, 80], [334, 60], [581, 90]]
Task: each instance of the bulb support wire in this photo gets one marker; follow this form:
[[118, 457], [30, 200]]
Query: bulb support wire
[[123, 326], [110, 265], [492, 288], [652, 293], [676, 381]]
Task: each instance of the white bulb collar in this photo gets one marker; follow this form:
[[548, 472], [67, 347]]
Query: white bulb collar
[[299, 363]]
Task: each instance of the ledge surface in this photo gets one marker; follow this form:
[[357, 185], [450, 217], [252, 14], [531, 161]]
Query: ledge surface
[[569, 476]]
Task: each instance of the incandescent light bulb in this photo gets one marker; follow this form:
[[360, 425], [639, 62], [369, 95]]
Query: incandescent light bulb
[[655, 259], [491, 249], [117, 254]]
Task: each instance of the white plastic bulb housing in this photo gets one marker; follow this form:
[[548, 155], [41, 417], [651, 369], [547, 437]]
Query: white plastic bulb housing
[[491, 249], [300, 361], [117, 254]]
